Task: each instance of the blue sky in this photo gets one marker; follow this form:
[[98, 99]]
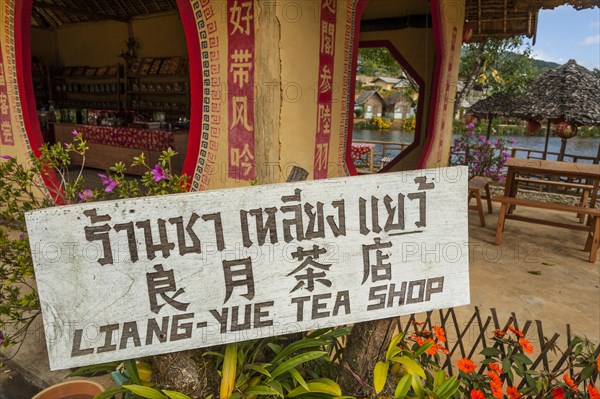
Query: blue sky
[[565, 33]]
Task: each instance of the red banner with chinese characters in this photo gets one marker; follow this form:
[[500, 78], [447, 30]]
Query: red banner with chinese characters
[[325, 87], [6, 134], [240, 89]]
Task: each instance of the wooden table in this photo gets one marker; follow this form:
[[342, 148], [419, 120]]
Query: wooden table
[[552, 169]]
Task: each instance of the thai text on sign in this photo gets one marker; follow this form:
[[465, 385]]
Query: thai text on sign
[[138, 277]]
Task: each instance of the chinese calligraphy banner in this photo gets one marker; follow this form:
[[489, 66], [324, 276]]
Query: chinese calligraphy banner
[[138, 277]]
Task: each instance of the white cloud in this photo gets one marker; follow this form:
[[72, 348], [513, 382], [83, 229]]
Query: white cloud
[[591, 40]]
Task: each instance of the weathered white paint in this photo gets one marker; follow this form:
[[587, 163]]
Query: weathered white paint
[[79, 295]]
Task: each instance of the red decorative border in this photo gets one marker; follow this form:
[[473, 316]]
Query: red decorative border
[[327, 31], [419, 79], [195, 64], [435, 88], [240, 93], [349, 162]]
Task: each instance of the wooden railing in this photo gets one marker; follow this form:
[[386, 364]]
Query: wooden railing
[[380, 155], [517, 152], [384, 151]]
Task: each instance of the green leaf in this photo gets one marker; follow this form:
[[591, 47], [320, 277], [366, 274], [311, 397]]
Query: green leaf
[[175, 395], [393, 345], [587, 372], [305, 343], [403, 386], [522, 358], [490, 352], [448, 388], [260, 368], [506, 364], [438, 379], [296, 361], [263, 390], [110, 393], [410, 365], [94, 370], [132, 371], [277, 387], [316, 387], [298, 378], [424, 348], [380, 374], [145, 392], [417, 386]]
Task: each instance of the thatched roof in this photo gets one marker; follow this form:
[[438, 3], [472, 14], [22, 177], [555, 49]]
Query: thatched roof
[[498, 104], [364, 97], [489, 18], [569, 91], [55, 13], [503, 19]]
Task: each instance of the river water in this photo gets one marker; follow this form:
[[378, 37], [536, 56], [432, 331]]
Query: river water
[[579, 146]]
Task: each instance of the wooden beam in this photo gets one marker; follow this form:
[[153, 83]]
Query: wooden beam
[[68, 10], [385, 24]]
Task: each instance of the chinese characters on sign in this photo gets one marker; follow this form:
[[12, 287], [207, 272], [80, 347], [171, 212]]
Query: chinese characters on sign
[[240, 88], [6, 133], [162, 274], [325, 87]]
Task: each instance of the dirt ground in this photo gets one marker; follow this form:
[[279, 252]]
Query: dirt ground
[[538, 272]]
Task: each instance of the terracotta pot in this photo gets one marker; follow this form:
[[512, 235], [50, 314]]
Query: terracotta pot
[[533, 126], [467, 32], [77, 389]]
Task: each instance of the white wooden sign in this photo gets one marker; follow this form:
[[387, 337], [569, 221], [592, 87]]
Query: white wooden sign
[[138, 277]]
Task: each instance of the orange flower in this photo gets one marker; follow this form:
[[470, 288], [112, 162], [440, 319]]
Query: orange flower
[[496, 386], [466, 365], [495, 367], [443, 349], [570, 382], [593, 392], [439, 333], [477, 394], [517, 332], [418, 323], [433, 350], [418, 340], [558, 393], [513, 392], [527, 347], [598, 363], [499, 333]]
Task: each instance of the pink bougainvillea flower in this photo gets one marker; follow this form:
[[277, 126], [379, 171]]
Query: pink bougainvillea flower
[[74, 132], [158, 173], [108, 182], [86, 195]]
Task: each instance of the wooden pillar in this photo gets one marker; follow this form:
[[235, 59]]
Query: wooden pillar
[[489, 129], [563, 147], [545, 154], [597, 160]]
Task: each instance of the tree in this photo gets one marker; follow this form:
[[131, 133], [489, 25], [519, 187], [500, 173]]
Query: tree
[[596, 72], [378, 61], [498, 65]]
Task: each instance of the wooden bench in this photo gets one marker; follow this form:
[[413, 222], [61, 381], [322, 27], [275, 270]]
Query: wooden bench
[[593, 227], [585, 195], [476, 184]]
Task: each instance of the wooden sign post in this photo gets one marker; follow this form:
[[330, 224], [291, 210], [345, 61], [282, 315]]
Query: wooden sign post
[[138, 277]]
